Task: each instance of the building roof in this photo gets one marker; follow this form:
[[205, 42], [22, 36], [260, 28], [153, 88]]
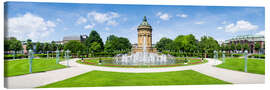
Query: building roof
[[144, 22], [247, 37], [71, 38]]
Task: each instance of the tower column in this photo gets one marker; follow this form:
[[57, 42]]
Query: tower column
[[144, 32]]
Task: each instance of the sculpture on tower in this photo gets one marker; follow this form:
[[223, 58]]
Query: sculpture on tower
[[144, 38]]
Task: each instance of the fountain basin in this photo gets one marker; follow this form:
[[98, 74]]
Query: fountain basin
[[109, 62]]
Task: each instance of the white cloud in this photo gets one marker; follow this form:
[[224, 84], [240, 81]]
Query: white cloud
[[125, 19], [219, 28], [182, 15], [81, 20], [112, 23], [240, 25], [90, 26], [104, 17], [159, 13], [29, 26], [163, 16], [158, 22], [107, 28], [224, 22], [200, 22], [261, 33], [65, 29], [59, 20]]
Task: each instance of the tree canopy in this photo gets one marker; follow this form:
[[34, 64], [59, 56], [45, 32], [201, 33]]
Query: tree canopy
[[208, 44], [257, 46], [117, 43], [164, 44], [74, 46], [29, 44], [94, 37], [12, 44]]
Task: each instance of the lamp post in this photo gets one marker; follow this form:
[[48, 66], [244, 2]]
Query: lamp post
[[223, 56], [57, 56], [47, 54], [215, 54], [13, 52], [246, 54], [30, 60], [67, 57]]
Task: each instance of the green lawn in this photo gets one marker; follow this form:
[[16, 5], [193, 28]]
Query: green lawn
[[254, 65], [21, 66], [106, 78]]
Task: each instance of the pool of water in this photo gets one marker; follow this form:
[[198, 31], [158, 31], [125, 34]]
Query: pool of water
[[167, 62]]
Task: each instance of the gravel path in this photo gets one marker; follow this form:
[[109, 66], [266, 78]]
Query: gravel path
[[43, 78]]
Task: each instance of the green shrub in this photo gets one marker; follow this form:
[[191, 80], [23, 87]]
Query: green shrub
[[257, 56], [40, 55], [10, 56], [237, 55]]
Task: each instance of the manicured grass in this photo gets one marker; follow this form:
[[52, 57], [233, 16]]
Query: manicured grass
[[21, 66], [95, 61], [254, 65], [106, 78]]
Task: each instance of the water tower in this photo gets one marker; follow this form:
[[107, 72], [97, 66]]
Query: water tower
[[144, 38]]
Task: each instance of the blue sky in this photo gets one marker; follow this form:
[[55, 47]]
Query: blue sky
[[52, 21]]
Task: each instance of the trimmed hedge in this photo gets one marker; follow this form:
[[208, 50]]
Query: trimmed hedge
[[257, 56], [187, 54], [237, 55], [10, 56]]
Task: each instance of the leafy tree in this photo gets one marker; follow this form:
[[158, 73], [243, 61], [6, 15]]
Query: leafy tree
[[74, 46], [117, 43], [208, 45], [14, 44], [228, 47], [53, 46], [188, 43], [246, 47], [6, 45], [38, 47], [60, 46], [46, 47], [233, 47], [238, 46], [29, 44], [94, 37], [111, 43], [95, 47], [257, 46], [223, 47], [164, 44], [124, 44]]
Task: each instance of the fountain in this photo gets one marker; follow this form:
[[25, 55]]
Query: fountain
[[143, 58], [143, 54]]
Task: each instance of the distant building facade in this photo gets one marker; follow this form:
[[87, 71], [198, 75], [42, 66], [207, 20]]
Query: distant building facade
[[80, 38], [250, 40]]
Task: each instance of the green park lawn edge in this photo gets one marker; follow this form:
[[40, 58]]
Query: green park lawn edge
[[94, 61], [107, 78], [256, 66], [21, 66]]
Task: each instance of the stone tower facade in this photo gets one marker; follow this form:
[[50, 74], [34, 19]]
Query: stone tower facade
[[144, 37]]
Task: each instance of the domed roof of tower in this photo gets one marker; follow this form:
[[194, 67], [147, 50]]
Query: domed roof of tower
[[144, 22]]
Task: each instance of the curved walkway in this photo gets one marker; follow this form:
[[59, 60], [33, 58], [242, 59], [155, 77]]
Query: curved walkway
[[74, 69]]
